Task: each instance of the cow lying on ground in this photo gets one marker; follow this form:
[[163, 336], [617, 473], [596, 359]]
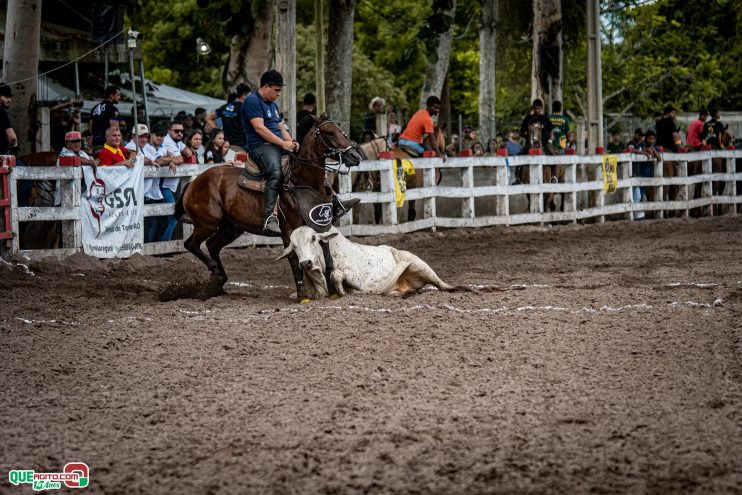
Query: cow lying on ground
[[366, 269]]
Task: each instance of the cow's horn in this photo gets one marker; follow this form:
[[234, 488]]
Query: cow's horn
[[286, 252]]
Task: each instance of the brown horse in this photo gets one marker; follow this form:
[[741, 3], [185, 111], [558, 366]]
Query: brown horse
[[372, 181], [221, 211], [552, 173]]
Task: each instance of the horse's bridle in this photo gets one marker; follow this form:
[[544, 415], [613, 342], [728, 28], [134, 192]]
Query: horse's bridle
[[332, 152]]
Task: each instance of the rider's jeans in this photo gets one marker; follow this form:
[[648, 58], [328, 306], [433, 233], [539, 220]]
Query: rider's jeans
[[412, 144], [269, 156]]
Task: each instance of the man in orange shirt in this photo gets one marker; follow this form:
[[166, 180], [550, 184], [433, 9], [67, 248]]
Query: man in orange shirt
[[419, 133], [113, 153]]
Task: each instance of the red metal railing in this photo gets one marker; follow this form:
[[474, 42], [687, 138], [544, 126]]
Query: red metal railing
[[6, 161]]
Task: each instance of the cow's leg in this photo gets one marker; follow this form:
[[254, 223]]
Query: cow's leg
[[419, 274], [329, 268]]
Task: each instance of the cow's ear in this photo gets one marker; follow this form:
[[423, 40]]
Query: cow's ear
[[286, 252], [328, 235]]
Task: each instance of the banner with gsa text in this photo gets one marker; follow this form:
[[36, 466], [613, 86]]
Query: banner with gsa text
[[113, 210]]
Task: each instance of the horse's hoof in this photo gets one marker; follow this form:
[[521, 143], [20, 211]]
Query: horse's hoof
[[304, 300], [335, 297]]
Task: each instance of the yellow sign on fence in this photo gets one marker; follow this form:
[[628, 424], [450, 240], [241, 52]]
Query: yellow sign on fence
[[402, 169], [610, 173]]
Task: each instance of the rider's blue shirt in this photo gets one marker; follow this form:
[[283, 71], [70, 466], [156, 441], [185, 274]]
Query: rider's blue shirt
[[255, 106]]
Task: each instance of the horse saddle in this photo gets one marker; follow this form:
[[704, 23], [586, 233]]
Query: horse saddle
[[410, 152], [252, 179]]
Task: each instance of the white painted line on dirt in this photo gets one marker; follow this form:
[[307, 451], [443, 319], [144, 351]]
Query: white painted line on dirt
[[691, 284], [78, 274], [265, 287], [188, 312], [61, 322], [503, 309]]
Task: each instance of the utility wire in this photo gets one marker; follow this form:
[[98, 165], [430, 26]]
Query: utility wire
[[71, 61]]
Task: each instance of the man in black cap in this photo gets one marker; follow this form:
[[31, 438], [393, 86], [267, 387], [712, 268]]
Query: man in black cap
[[537, 115], [8, 139], [667, 132], [267, 139], [304, 120]]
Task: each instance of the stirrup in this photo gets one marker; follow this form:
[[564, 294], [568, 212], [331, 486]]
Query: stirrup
[[271, 224]]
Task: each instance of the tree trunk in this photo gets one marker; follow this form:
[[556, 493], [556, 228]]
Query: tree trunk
[[547, 30], [487, 38], [445, 116], [436, 72], [286, 59], [21, 63], [250, 54], [339, 72]]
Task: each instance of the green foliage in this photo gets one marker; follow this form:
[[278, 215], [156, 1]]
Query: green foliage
[[665, 51]]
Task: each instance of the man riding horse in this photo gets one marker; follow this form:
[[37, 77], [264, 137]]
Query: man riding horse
[[419, 133], [537, 117], [268, 140]]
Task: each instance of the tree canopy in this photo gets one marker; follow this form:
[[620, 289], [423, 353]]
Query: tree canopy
[[664, 51]]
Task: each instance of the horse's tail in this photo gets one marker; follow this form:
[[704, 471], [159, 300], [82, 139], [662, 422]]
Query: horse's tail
[[179, 209]]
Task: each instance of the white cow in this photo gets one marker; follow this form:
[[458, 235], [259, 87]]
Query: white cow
[[366, 269]]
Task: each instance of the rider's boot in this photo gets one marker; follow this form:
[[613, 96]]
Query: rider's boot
[[271, 220]]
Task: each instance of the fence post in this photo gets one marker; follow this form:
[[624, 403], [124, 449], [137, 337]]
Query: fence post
[[502, 202], [659, 194], [14, 224], [601, 189], [429, 210], [70, 195], [571, 177], [345, 186], [683, 190], [467, 181], [536, 173], [628, 192], [388, 209], [729, 186], [707, 190]]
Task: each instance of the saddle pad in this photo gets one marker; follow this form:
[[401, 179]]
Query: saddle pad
[[253, 168], [250, 184], [408, 150], [315, 208]]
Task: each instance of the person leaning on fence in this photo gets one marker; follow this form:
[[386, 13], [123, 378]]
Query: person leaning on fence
[[142, 139], [113, 153], [693, 138], [105, 115], [419, 134], [713, 130], [155, 155], [194, 142], [72, 147]]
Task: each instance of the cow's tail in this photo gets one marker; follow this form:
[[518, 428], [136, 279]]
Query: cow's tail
[[180, 209]]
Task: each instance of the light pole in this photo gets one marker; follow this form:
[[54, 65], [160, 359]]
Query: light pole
[[131, 43]]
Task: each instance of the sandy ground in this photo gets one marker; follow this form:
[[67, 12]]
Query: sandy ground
[[612, 363]]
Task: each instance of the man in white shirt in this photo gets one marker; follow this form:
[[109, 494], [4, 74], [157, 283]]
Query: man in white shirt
[[72, 147], [173, 144]]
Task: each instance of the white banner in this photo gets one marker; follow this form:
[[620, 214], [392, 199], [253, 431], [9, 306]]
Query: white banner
[[113, 211]]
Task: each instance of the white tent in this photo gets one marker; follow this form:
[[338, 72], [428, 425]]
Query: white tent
[[162, 100]]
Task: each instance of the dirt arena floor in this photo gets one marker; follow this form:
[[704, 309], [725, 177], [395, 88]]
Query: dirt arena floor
[[611, 363]]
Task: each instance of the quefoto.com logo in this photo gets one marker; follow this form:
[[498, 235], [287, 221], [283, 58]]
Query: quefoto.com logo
[[74, 475]]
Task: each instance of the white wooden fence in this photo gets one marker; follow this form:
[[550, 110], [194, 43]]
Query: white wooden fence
[[468, 182]]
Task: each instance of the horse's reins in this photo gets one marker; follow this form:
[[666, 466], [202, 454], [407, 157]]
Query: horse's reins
[[333, 152]]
